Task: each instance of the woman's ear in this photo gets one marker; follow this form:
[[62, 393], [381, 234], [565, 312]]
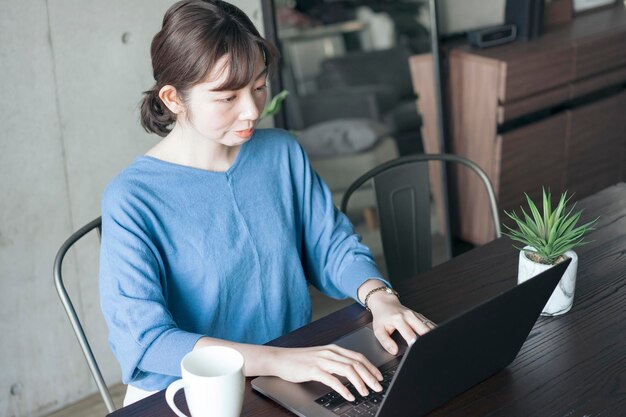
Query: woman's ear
[[169, 97]]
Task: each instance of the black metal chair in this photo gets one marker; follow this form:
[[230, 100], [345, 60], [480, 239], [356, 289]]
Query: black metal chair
[[402, 192], [71, 312]]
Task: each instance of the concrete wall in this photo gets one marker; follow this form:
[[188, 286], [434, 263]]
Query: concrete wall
[[72, 73]]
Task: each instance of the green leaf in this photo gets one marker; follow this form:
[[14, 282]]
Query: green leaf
[[559, 223], [556, 229], [536, 216], [547, 209], [556, 215], [553, 232], [569, 224], [525, 230], [511, 215], [530, 223], [274, 105]]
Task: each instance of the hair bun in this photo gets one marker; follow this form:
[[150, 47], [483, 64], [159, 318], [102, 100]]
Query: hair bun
[[155, 116]]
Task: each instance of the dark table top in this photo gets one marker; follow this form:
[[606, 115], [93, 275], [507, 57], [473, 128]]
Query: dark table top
[[570, 365]]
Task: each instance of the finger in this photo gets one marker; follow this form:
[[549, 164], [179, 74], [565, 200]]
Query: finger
[[427, 322], [360, 358], [419, 323], [419, 316], [385, 340], [407, 332], [348, 371], [364, 372], [333, 382]]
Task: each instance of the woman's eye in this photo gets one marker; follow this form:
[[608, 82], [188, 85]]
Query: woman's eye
[[228, 99], [262, 87]]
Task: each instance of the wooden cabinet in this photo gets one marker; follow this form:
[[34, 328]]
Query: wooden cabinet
[[550, 112], [531, 157], [593, 152]]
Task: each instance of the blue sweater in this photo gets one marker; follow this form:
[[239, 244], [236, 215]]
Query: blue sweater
[[187, 252]]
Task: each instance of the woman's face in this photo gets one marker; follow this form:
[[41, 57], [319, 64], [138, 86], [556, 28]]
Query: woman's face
[[226, 117]]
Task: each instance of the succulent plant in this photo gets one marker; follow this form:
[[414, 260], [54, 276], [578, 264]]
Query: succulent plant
[[551, 233]]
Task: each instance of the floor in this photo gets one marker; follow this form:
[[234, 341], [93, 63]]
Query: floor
[[92, 405], [322, 306]]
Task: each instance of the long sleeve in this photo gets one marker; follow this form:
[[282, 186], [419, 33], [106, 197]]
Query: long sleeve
[[337, 262], [143, 334]]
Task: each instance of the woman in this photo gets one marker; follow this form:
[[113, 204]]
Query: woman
[[212, 237]]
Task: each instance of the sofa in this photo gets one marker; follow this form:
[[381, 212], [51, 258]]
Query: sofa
[[372, 84]]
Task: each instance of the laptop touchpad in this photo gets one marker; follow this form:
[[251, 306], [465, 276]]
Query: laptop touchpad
[[364, 341]]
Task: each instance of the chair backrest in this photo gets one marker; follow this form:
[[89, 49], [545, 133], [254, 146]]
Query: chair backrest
[[403, 200], [71, 312]]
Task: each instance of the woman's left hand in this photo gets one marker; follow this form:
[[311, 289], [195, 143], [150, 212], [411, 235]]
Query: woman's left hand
[[390, 315]]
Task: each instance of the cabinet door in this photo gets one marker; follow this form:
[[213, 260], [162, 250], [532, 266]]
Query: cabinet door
[[595, 146], [532, 157]]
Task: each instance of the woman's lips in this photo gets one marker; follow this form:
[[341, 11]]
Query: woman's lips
[[244, 133]]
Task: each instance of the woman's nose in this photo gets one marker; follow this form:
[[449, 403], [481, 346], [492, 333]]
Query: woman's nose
[[249, 109]]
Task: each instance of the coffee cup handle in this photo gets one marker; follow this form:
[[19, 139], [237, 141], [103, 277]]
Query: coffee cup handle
[[171, 390]]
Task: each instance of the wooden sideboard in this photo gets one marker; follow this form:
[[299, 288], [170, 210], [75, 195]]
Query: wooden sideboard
[[550, 112]]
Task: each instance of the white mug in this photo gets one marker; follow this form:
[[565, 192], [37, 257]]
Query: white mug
[[213, 380]]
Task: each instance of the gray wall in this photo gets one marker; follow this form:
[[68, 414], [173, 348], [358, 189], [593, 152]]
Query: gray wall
[[69, 122]]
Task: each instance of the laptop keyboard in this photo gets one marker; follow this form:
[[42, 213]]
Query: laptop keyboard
[[361, 406]]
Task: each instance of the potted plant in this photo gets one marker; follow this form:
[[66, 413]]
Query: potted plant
[[549, 238]]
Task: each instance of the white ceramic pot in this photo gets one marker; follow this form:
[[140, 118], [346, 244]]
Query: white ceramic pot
[[562, 298]]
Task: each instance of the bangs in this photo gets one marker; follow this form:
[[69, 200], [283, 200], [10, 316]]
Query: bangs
[[243, 51]]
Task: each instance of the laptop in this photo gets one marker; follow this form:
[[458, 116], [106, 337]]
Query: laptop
[[441, 364]]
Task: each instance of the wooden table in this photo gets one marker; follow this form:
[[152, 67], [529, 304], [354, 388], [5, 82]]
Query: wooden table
[[572, 365]]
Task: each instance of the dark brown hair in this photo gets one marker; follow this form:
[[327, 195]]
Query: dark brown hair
[[194, 36]]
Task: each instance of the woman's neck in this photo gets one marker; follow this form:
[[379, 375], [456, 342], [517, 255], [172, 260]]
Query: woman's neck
[[182, 147]]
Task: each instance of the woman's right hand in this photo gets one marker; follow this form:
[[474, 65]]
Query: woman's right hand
[[324, 364]]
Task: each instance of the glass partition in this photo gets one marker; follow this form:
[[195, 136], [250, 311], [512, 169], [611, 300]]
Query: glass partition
[[351, 101]]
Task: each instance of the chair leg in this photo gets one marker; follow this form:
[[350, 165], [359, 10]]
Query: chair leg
[[371, 220]]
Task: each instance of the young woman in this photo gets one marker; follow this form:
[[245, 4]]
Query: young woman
[[212, 237]]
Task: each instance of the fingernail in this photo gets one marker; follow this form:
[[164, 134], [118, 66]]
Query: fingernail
[[412, 341], [391, 350], [351, 397], [379, 387]]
